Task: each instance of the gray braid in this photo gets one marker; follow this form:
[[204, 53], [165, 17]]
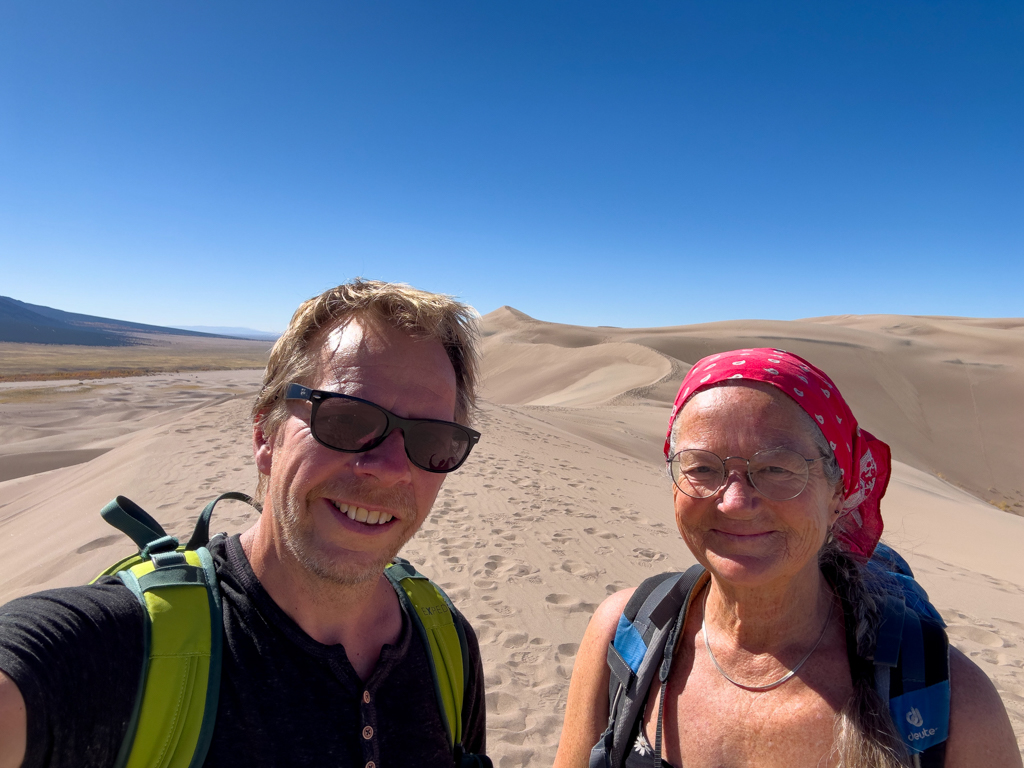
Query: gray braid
[[865, 735]]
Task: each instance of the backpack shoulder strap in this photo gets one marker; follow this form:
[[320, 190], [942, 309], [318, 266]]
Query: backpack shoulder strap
[[433, 615], [176, 703], [645, 633], [911, 662]]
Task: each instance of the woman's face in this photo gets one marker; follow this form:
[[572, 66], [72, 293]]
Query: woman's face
[[738, 534]]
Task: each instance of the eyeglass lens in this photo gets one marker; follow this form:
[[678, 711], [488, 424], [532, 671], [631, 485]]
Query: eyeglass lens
[[777, 474], [349, 425]]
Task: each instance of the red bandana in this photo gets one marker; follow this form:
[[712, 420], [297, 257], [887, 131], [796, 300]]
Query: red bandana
[[863, 458]]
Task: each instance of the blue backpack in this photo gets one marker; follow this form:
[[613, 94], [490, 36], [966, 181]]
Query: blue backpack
[[910, 659]]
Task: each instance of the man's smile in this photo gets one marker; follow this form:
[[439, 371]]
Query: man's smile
[[362, 514]]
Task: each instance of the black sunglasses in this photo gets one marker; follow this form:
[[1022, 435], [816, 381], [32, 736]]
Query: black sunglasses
[[352, 425]]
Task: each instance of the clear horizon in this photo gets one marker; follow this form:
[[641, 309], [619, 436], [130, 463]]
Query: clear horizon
[[646, 165]]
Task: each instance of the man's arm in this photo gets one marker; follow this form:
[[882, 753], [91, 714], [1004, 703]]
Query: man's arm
[[980, 733], [586, 711], [72, 658], [13, 724]]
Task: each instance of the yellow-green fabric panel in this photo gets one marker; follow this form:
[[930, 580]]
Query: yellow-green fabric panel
[[172, 712], [444, 647], [175, 695]]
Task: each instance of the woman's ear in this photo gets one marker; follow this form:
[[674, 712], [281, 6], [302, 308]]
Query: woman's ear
[[836, 504]]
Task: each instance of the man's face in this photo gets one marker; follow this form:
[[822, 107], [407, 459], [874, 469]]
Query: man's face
[[313, 489]]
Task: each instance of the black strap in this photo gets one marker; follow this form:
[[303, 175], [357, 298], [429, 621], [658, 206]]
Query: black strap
[[890, 631], [641, 593], [627, 704], [621, 675], [128, 517], [658, 728], [201, 533]]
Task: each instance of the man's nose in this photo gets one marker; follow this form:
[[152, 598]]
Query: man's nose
[[388, 462]]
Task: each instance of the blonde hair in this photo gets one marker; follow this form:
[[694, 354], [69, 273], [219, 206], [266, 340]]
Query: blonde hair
[[422, 315]]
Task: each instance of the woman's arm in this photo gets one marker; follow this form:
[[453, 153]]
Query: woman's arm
[[586, 710], [980, 734]]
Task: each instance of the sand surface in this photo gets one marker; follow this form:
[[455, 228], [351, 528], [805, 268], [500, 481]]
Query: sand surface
[[565, 499]]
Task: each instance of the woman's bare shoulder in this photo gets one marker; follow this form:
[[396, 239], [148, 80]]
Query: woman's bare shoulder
[[586, 708], [980, 733], [606, 617]]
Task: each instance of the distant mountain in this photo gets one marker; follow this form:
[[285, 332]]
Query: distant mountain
[[35, 324], [237, 333]]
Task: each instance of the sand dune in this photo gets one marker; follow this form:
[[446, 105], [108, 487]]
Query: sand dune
[[944, 392], [566, 500]]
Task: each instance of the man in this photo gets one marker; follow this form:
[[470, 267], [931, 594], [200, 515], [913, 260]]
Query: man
[[321, 665]]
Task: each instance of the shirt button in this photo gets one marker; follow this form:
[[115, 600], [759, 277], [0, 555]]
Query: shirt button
[[371, 764], [366, 699], [367, 732]]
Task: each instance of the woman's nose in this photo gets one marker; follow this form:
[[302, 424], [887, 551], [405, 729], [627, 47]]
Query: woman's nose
[[738, 495]]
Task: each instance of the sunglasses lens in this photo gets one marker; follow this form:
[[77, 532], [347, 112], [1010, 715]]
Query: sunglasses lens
[[436, 446], [348, 425]]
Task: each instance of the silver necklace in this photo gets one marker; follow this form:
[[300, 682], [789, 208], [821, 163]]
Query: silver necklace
[[769, 686]]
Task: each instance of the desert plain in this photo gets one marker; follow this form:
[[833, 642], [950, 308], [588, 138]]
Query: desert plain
[[565, 499]]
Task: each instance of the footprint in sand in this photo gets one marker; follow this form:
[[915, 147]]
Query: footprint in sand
[[579, 570], [522, 657], [567, 603], [567, 650], [516, 640], [103, 541], [493, 562], [1001, 659], [1016, 624], [647, 557], [601, 534], [976, 635]]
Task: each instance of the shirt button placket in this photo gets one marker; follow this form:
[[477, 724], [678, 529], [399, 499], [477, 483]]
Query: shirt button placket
[[369, 744]]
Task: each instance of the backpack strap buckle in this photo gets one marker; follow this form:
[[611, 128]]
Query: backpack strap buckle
[[161, 545]]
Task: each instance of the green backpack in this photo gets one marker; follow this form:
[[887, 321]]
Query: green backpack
[[176, 705]]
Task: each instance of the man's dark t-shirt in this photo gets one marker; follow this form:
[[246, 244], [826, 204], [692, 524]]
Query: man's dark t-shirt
[[285, 699]]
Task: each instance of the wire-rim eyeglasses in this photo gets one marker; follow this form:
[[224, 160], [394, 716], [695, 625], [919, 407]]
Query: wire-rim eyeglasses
[[779, 474]]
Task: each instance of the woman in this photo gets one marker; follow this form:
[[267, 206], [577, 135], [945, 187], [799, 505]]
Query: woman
[[776, 493]]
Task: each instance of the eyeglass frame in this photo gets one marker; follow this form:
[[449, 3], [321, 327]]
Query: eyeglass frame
[[317, 396], [725, 474]]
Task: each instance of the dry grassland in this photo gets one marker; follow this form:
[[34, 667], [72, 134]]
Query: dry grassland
[[154, 354]]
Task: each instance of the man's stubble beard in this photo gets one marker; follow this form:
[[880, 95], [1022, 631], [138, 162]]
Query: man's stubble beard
[[299, 535]]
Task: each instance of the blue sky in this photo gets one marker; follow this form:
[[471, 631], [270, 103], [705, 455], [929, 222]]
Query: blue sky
[[633, 164]]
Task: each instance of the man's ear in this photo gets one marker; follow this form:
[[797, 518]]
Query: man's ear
[[262, 446]]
